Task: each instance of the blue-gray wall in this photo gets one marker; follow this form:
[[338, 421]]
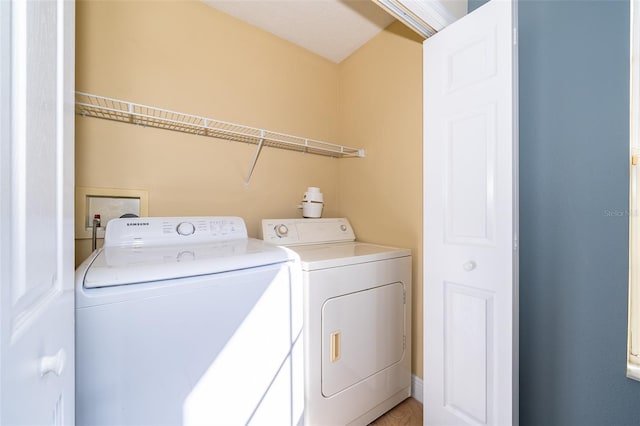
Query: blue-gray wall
[[574, 96]]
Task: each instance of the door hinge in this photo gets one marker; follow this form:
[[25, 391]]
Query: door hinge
[[515, 36], [404, 342], [634, 160], [404, 296]]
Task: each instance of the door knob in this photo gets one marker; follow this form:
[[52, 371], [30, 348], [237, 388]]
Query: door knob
[[469, 266], [53, 364]]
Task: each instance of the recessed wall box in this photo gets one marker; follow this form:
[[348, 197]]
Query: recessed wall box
[[110, 204]]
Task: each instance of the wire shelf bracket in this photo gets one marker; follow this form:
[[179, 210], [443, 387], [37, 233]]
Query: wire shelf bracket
[[88, 105], [255, 160]]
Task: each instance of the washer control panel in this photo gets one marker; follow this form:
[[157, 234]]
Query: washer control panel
[[291, 232], [170, 230]]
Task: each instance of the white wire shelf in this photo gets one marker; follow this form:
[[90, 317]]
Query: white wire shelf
[[88, 105]]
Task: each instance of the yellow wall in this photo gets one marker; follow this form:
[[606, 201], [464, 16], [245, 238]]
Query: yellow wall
[[188, 57], [381, 110]]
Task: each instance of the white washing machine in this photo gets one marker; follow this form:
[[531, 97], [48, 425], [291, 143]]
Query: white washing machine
[[186, 321], [357, 313]]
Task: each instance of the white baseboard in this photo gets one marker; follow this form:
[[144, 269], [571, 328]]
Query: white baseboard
[[416, 388]]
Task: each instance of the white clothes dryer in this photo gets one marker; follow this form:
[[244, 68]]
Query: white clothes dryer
[[357, 314], [187, 321]]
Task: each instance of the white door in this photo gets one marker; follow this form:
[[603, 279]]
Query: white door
[[470, 213], [36, 212]]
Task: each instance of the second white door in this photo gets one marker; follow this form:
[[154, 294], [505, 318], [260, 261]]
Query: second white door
[[470, 220], [36, 212]]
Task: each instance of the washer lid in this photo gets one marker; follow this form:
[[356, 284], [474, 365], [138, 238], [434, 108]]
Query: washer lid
[[119, 265], [322, 256]]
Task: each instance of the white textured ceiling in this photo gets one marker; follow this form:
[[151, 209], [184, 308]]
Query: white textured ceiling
[[333, 29]]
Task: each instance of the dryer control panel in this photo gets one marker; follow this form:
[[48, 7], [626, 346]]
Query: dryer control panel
[[173, 230], [292, 232]]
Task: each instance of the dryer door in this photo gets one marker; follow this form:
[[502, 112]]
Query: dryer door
[[362, 334]]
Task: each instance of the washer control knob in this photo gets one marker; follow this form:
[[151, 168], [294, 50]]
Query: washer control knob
[[282, 230], [185, 228], [343, 227]]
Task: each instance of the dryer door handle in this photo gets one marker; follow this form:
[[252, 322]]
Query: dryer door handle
[[335, 346]]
